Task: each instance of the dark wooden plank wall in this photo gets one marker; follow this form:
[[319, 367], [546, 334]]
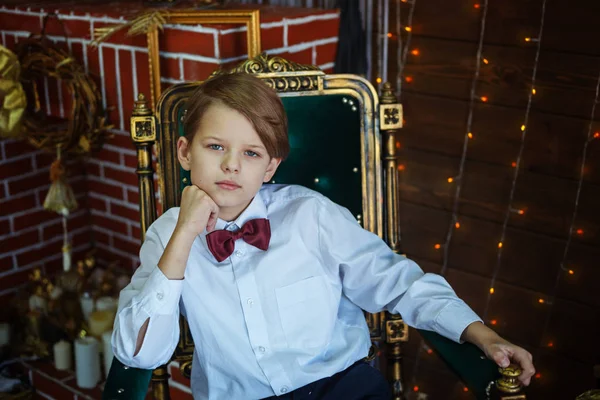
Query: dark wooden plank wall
[[436, 101]]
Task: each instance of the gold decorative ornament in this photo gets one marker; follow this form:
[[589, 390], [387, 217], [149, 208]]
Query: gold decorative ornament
[[85, 127], [140, 25], [264, 64], [589, 395], [12, 97]]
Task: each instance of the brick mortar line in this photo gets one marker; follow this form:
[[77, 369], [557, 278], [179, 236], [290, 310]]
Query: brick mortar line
[[123, 150], [131, 206], [116, 235], [8, 160], [179, 386], [43, 225], [69, 17], [114, 250], [57, 381], [33, 264], [109, 216], [111, 181]]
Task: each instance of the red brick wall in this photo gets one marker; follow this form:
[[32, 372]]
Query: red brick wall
[[106, 183]]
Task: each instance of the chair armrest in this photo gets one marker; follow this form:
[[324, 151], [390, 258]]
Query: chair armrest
[[466, 360], [124, 382]]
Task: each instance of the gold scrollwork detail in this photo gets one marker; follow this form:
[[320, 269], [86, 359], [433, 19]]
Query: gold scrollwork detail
[[185, 367], [143, 129], [396, 331], [264, 64], [293, 83], [390, 116]]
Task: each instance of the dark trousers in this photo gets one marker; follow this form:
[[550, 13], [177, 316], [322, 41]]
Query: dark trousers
[[360, 381]]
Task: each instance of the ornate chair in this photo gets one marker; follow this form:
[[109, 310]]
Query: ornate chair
[[355, 165]]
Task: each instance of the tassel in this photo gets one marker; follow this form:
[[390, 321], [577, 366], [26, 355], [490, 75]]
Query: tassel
[[61, 199]]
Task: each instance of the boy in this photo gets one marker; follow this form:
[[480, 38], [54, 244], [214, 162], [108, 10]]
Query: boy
[[272, 279]]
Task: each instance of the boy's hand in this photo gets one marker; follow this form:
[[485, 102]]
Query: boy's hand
[[501, 351], [197, 211]]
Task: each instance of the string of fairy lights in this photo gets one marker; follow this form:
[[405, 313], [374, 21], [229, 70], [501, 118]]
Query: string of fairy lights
[[458, 179], [510, 209], [563, 268], [454, 223]]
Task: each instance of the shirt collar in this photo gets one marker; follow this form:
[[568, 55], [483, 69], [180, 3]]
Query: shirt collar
[[256, 209]]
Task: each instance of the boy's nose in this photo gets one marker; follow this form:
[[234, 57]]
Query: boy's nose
[[231, 163]]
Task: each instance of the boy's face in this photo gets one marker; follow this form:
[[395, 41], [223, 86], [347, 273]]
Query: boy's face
[[227, 160]]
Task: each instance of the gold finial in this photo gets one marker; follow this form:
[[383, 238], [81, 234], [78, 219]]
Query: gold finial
[[141, 106], [508, 383], [387, 94]]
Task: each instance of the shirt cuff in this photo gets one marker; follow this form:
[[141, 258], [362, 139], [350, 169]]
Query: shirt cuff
[[454, 319], [160, 295]]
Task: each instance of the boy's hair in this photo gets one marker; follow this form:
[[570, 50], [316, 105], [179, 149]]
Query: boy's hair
[[250, 97]]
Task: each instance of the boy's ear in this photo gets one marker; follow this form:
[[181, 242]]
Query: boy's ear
[[271, 169], [183, 153]]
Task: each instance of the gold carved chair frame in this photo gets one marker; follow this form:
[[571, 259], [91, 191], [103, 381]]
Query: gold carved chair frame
[[381, 117]]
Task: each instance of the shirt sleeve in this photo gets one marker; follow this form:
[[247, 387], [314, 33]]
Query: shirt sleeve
[[376, 279], [150, 294]]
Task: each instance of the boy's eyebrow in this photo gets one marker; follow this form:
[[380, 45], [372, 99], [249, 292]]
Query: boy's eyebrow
[[256, 146], [211, 138]]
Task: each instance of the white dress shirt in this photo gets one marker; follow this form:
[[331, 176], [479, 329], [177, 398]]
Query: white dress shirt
[[267, 322]]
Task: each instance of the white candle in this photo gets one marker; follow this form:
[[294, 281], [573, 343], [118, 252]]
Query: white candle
[[107, 303], [107, 350], [37, 303], [87, 362], [87, 306], [62, 355], [4, 334]]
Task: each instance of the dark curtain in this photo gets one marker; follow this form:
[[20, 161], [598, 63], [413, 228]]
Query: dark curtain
[[350, 56]]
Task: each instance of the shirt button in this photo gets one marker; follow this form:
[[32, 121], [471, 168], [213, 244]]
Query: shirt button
[[261, 349], [250, 302], [238, 253], [283, 389], [160, 295]]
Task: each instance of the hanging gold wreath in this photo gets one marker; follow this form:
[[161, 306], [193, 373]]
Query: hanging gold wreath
[[85, 127]]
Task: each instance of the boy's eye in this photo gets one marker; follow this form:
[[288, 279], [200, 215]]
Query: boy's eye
[[215, 147], [252, 153]]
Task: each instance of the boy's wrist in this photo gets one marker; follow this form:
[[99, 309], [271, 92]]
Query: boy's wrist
[[479, 334]]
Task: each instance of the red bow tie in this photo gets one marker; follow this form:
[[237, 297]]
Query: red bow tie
[[256, 232]]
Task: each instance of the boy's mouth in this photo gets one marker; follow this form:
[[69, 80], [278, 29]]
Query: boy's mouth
[[228, 185]]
